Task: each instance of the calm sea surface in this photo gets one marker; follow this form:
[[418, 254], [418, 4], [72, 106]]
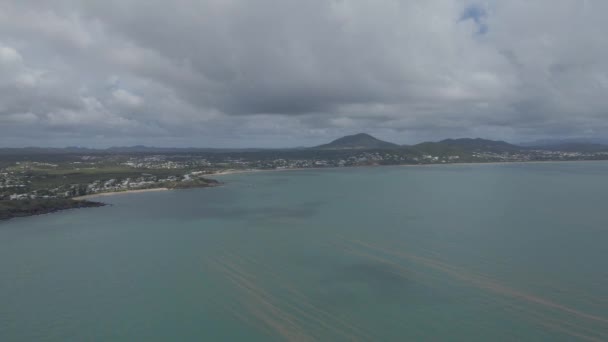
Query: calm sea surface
[[515, 252]]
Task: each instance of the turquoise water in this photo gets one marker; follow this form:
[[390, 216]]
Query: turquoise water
[[513, 252]]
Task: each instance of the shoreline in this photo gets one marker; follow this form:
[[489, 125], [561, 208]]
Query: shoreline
[[236, 172], [41, 207], [86, 198], [112, 193]]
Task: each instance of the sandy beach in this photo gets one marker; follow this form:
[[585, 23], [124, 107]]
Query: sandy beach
[[236, 171], [233, 171], [103, 194]]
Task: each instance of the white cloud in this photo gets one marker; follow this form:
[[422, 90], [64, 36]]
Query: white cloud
[[9, 55], [304, 69], [125, 98]]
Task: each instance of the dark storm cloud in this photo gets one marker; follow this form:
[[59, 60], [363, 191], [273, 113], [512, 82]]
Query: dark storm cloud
[[274, 73]]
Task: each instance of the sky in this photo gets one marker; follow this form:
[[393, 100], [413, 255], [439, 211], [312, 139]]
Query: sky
[[286, 73]]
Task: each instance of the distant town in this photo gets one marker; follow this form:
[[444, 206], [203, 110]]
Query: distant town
[[35, 175]]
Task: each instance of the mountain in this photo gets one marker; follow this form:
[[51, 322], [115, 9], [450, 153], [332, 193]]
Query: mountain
[[478, 144], [574, 147], [438, 149], [568, 141], [361, 141], [569, 145]]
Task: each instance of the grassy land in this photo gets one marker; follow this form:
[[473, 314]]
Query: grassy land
[[195, 183], [41, 179]]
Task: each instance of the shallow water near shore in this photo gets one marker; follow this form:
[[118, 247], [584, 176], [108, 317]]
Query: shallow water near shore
[[460, 252]]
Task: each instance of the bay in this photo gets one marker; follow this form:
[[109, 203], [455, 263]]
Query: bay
[[497, 252]]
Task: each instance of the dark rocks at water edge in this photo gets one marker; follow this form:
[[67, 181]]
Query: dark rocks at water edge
[[12, 209]]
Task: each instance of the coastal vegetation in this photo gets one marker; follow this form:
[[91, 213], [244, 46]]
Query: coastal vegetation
[[28, 207]]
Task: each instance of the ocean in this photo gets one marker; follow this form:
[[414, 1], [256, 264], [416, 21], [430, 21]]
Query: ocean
[[492, 252]]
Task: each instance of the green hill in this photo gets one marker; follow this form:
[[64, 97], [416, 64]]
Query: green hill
[[478, 144], [361, 141]]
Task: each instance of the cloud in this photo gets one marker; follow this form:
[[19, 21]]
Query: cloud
[[9, 56], [290, 72], [126, 98]]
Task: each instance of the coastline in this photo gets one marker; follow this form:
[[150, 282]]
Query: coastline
[[14, 209], [236, 171], [221, 173], [112, 193], [84, 200]]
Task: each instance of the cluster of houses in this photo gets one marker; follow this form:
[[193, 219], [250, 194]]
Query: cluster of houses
[[161, 162], [12, 189], [538, 155]]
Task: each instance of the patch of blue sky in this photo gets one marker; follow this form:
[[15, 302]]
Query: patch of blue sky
[[478, 15]]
